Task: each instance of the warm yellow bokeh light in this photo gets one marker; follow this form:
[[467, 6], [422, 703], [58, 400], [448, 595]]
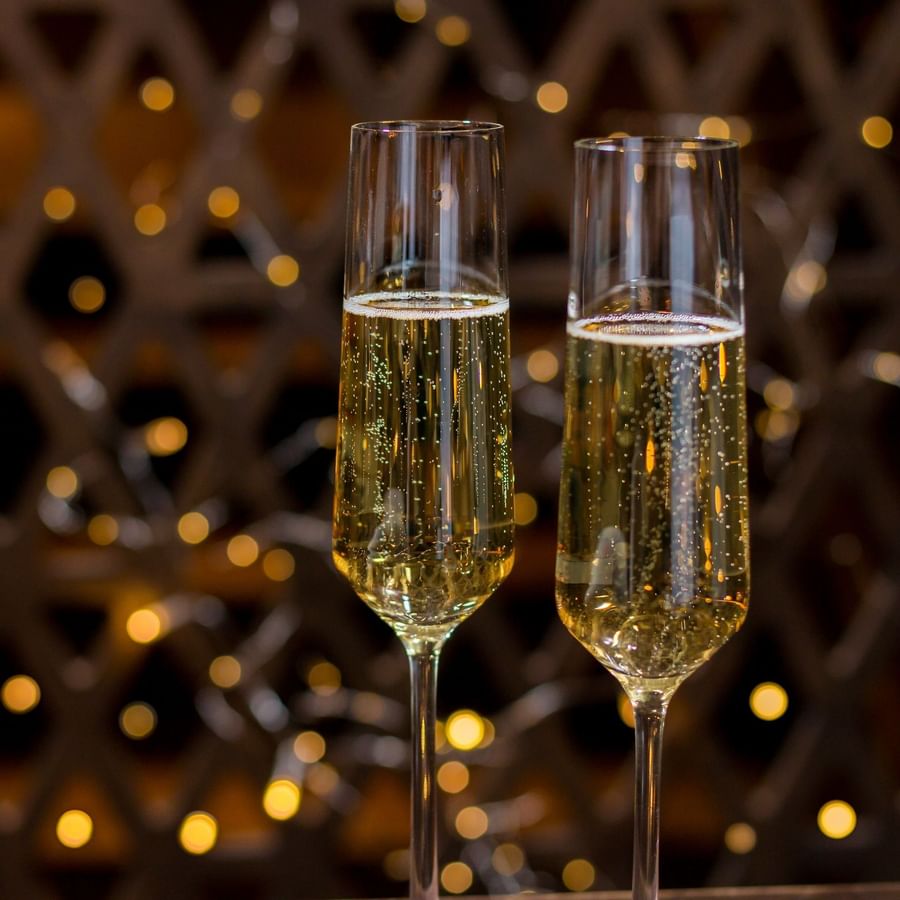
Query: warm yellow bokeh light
[[278, 564], [59, 204], [283, 270], [326, 432], [456, 877], [453, 31], [242, 550], [324, 678], [74, 828], [225, 671], [578, 875], [464, 729], [768, 701], [714, 127], [625, 709], [87, 294], [886, 367], [779, 393], [508, 859], [472, 822], [146, 625], [552, 97], [322, 778], [281, 799], [150, 219], [157, 94], [542, 365], [103, 529], [246, 104], [223, 202], [137, 720], [396, 864], [62, 482], [193, 528], [309, 746], [837, 819], [165, 436], [807, 278], [20, 694], [525, 509], [198, 833], [877, 132], [685, 160], [453, 777], [740, 837], [410, 10], [740, 130]]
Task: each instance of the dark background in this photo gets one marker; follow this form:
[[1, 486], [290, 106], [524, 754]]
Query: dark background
[[191, 327]]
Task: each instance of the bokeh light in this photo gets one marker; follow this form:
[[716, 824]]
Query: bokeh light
[[74, 828], [59, 204], [246, 104], [144, 626], [20, 694], [740, 838], [877, 132], [87, 294], [324, 678], [198, 833], [411, 11], [837, 819], [471, 822], [453, 777], [456, 877], [62, 482], [281, 799], [138, 720], [283, 270], [193, 528], [768, 701], [714, 127], [309, 746], [157, 94], [225, 672], [542, 365], [165, 436], [464, 729], [223, 202], [552, 97], [278, 564], [103, 529], [453, 31], [525, 509], [578, 875], [508, 859], [242, 550], [150, 219]]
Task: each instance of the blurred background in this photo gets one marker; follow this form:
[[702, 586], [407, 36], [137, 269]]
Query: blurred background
[[194, 705]]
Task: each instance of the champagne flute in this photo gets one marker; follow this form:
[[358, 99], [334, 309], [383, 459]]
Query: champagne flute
[[652, 561], [423, 509]]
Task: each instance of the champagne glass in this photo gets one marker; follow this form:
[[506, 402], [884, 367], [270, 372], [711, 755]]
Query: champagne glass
[[423, 509], [652, 561]]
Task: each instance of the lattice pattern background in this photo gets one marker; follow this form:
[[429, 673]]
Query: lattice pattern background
[[188, 318]]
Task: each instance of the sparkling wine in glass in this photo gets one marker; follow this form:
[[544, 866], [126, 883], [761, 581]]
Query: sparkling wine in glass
[[652, 562], [423, 510]]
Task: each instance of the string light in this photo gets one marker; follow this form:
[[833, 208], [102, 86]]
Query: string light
[[223, 202], [283, 270], [453, 31], [20, 694], [150, 219], [837, 819], [138, 720], [281, 799], [87, 294], [464, 729], [552, 97], [525, 509], [74, 828], [59, 204], [198, 833], [578, 875], [193, 528], [246, 104], [456, 877], [225, 672], [242, 550]]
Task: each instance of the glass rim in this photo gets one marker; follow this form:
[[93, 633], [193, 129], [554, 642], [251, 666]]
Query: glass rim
[[656, 144], [461, 127]]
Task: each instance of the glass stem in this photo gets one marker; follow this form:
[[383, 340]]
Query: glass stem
[[649, 719], [423, 872]]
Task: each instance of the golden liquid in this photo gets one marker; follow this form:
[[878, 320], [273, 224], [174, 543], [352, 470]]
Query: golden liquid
[[652, 564], [423, 513]]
